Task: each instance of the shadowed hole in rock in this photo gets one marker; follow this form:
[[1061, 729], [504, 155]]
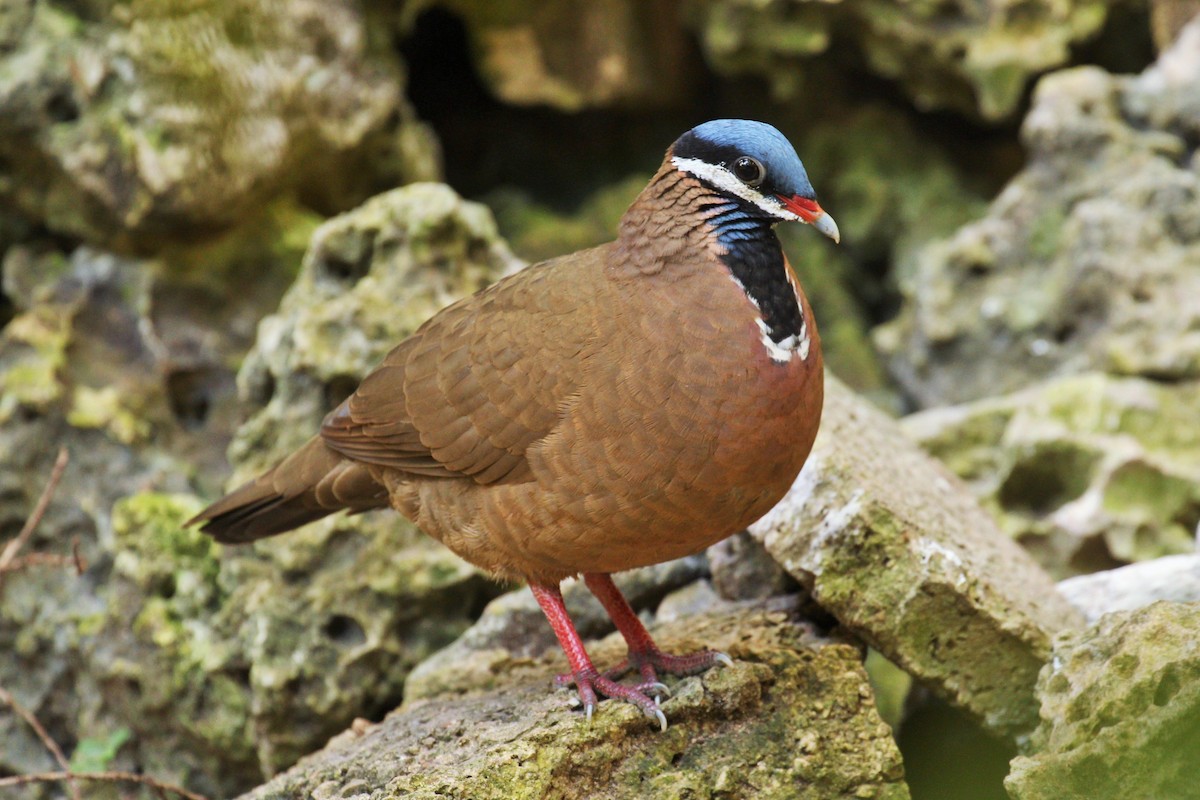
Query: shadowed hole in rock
[[1168, 686], [346, 257], [190, 393], [1093, 555], [61, 107], [7, 310], [166, 587], [240, 675], [132, 688], [261, 391], [1047, 478], [344, 630], [1063, 332]]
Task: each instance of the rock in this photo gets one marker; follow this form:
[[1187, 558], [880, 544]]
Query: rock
[[692, 600], [220, 665], [1169, 17], [1120, 711], [574, 55], [742, 569], [1173, 578], [86, 364], [792, 718], [1086, 260], [892, 191], [513, 629], [124, 126], [895, 547], [973, 58], [1086, 471]]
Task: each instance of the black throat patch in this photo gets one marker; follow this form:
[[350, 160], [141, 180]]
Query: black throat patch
[[755, 257]]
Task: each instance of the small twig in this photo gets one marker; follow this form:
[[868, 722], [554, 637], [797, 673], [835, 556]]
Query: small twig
[[43, 734], [38, 560], [80, 563], [14, 546], [106, 777]]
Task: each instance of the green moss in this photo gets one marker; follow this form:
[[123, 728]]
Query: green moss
[[105, 409], [890, 685], [149, 528], [33, 352], [536, 232]]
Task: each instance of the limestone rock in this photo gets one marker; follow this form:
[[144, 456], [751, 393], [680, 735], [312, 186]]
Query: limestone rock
[[1086, 471], [971, 57], [895, 547], [120, 122], [742, 569], [1086, 261], [793, 718], [221, 665], [1120, 711], [576, 54], [1172, 578], [88, 363]]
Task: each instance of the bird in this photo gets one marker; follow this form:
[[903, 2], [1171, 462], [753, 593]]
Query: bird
[[605, 410]]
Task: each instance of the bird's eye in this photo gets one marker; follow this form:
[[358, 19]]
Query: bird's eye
[[749, 171]]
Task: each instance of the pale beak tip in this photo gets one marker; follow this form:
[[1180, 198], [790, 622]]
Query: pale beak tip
[[825, 224]]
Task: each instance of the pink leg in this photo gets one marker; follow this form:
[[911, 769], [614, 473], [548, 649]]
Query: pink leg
[[644, 655], [587, 680]]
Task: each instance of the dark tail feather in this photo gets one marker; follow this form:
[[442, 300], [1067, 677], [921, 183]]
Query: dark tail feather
[[311, 483]]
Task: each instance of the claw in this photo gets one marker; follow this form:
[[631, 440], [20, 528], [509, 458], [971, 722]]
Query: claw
[[662, 719], [587, 710], [723, 659], [657, 689]]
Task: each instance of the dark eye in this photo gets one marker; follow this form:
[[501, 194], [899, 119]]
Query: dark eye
[[749, 171]]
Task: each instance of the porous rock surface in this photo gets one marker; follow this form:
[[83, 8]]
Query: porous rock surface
[[159, 118], [893, 545], [972, 57], [1086, 260], [793, 718], [1087, 471], [1120, 712], [216, 666]]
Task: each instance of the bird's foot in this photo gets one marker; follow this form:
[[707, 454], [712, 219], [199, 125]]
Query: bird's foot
[[590, 684], [652, 661], [648, 663]]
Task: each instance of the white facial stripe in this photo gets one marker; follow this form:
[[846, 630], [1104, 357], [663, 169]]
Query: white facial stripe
[[725, 180]]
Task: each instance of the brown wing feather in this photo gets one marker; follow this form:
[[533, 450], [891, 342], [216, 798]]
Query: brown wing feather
[[477, 384]]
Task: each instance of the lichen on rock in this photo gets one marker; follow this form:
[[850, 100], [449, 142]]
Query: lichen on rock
[[972, 57], [793, 717], [898, 550], [1086, 471], [1120, 710], [1085, 261], [155, 118]]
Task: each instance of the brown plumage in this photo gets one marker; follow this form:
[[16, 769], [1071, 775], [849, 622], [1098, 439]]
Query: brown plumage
[[613, 408]]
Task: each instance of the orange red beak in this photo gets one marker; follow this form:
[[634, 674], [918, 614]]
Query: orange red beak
[[811, 212]]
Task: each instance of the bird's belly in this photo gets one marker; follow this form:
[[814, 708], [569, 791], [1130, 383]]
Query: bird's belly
[[683, 463]]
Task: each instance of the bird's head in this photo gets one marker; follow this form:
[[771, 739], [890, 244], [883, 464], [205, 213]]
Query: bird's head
[[753, 162]]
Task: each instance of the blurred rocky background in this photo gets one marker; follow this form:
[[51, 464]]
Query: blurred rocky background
[[216, 215]]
